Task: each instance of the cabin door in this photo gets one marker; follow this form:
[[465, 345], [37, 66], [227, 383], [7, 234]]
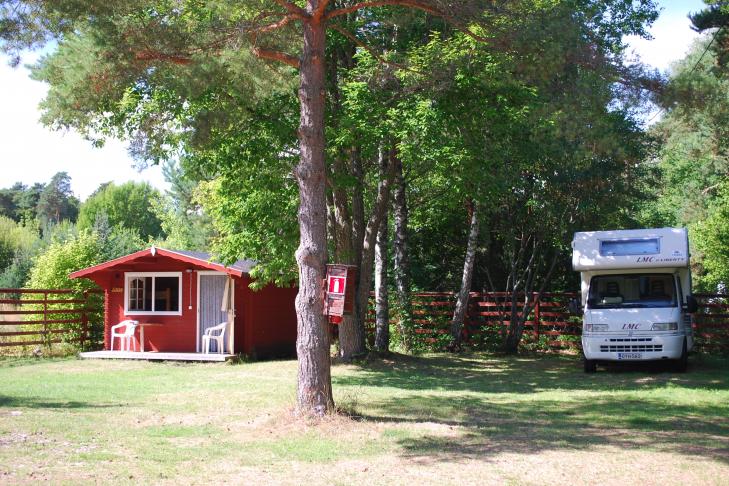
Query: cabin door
[[212, 309]]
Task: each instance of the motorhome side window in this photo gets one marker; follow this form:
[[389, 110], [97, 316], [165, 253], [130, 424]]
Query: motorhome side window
[[636, 290], [634, 246]]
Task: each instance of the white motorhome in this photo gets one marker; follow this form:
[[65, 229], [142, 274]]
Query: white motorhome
[[636, 295]]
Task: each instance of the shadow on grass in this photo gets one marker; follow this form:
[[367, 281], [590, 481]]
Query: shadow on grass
[[525, 374], [27, 402], [497, 405]]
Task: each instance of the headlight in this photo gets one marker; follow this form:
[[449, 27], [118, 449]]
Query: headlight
[[665, 326], [596, 327]]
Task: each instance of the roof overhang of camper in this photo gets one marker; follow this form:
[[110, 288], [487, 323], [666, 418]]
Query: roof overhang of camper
[[153, 252]]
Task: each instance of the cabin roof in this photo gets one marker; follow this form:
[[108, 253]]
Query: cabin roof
[[197, 258]]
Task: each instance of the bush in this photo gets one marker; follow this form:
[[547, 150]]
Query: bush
[[50, 271]]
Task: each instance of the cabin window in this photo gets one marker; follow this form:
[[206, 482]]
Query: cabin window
[[634, 246], [153, 293]]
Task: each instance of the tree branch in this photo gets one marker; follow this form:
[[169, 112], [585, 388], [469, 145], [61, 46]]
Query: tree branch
[[367, 48], [416, 4], [293, 9], [319, 13], [149, 55], [275, 25], [276, 56]]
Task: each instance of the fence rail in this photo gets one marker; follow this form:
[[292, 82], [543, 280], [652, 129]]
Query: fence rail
[[549, 323], [30, 317]]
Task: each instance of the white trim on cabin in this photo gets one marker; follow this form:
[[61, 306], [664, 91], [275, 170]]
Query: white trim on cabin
[[128, 276]]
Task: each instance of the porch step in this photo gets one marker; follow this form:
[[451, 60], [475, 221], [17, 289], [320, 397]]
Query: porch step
[[154, 356]]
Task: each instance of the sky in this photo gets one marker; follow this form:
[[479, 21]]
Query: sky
[[31, 153]]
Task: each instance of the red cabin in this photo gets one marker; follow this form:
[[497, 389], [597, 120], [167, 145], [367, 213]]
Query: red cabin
[[175, 296]]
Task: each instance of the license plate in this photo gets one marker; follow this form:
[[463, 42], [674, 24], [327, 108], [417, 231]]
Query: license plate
[[630, 355]]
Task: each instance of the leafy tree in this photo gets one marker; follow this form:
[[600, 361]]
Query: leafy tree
[[14, 238], [19, 202], [26, 201], [63, 256], [52, 267], [693, 161], [57, 202], [130, 205], [715, 16], [711, 237], [8, 207], [182, 218]]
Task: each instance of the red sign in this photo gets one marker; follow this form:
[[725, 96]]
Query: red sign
[[336, 285]]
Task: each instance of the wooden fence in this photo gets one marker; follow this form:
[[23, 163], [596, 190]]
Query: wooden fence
[[549, 325], [711, 323], [31, 317]]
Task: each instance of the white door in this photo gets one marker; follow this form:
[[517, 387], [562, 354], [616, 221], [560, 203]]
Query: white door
[[209, 305]]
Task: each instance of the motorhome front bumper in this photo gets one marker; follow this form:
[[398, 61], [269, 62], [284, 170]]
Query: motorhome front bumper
[[632, 348]]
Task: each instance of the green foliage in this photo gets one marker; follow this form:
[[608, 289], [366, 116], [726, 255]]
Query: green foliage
[[710, 238], [14, 237], [51, 269], [129, 205], [183, 221], [715, 16], [68, 251], [63, 256], [184, 230], [693, 163]]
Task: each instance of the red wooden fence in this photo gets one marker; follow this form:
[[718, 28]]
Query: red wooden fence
[[31, 317], [550, 324], [711, 323]]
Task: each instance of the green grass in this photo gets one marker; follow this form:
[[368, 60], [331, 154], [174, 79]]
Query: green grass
[[436, 419]]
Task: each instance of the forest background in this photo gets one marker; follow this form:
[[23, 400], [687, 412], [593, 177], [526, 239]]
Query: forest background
[[457, 158]]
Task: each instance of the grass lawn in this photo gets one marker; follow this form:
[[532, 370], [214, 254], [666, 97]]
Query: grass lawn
[[440, 419]]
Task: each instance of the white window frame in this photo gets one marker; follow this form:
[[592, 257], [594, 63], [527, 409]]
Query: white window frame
[[129, 276]]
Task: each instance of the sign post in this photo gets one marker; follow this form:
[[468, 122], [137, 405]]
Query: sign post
[[339, 289]]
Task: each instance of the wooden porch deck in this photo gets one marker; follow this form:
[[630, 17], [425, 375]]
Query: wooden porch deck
[[154, 356]]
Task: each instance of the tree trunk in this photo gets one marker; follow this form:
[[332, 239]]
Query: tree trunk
[[314, 387], [462, 302], [401, 264], [351, 342], [379, 210], [382, 311]]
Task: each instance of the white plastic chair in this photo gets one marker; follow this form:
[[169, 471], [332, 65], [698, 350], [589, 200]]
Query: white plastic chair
[[126, 337], [211, 334]]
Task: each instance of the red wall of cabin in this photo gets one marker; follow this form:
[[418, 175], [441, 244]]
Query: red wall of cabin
[[273, 326]]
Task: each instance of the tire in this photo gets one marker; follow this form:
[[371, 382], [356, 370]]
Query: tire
[[681, 364], [590, 365]]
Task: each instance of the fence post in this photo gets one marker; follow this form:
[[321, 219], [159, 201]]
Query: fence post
[[84, 319], [537, 318], [46, 335]]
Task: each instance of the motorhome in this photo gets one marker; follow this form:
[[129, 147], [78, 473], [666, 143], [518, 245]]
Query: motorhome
[[636, 297]]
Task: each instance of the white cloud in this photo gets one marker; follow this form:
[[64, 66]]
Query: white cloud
[[672, 34]]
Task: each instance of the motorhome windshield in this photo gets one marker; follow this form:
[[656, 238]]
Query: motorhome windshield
[[631, 291]]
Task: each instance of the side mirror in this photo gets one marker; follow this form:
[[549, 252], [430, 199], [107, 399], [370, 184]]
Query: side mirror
[[575, 307], [692, 305]]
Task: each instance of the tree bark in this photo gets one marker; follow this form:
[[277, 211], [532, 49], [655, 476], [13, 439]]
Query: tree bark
[[401, 263], [387, 160], [314, 386], [350, 341], [382, 310], [518, 322], [462, 301]]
